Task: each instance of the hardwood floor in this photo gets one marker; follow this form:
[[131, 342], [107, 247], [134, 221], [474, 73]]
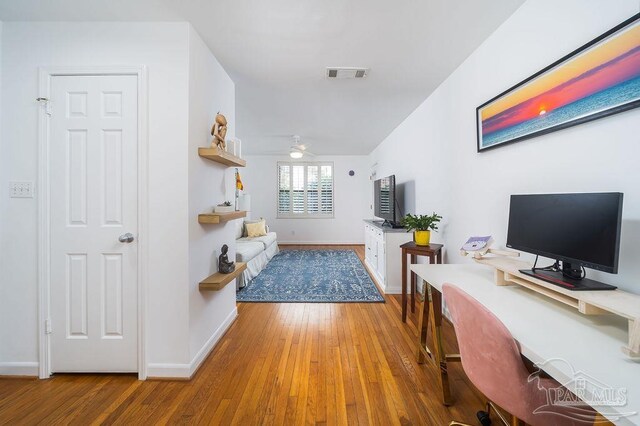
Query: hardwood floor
[[351, 363]]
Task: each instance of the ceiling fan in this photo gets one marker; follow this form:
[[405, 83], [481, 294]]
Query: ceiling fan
[[298, 149]]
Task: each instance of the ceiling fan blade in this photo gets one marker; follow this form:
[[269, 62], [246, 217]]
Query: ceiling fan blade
[[279, 152], [293, 138]]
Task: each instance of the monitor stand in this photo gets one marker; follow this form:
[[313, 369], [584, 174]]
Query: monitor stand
[[559, 279], [391, 224]]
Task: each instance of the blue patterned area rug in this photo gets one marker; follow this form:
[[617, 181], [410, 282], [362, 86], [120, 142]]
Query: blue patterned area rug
[[321, 276]]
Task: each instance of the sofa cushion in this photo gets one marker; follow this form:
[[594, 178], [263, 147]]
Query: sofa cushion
[[247, 250], [239, 228], [266, 240]]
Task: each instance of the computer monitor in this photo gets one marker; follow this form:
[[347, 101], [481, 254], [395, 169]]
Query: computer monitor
[[581, 230]]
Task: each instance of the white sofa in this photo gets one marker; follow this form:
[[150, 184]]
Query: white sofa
[[256, 252]]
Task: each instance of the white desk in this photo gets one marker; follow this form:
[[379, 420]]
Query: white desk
[[547, 330]]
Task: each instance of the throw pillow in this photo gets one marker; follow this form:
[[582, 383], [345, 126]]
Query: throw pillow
[[256, 229], [244, 225]]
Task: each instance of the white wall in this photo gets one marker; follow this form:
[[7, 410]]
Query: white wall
[[352, 200], [210, 90], [163, 48], [436, 145]]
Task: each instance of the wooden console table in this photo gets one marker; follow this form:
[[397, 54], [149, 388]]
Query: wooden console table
[[433, 252]]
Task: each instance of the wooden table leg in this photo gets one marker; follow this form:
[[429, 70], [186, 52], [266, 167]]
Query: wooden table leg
[[516, 421], [440, 256], [414, 259], [404, 286], [435, 317], [423, 324]]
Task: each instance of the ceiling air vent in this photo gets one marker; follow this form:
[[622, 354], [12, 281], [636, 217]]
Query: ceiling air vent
[[347, 72]]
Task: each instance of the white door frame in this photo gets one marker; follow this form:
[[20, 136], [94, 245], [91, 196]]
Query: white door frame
[[44, 228]]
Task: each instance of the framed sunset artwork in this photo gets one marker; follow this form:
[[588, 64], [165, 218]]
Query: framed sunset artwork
[[599, 79]]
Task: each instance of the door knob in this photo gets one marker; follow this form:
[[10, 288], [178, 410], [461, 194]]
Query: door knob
[[126, 238]]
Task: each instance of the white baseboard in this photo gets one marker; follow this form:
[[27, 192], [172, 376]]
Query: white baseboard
[[393, 290], [169, 371], [19, 369], [322, 243], [213, 340], [185, 371]]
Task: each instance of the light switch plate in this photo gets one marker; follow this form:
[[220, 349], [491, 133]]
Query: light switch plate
[[21, 189]]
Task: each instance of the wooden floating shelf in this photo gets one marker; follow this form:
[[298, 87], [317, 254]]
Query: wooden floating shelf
[[213, 218], [218, 280], [222, 157]]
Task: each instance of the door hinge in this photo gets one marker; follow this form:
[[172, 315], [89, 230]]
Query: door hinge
[[47, 326]]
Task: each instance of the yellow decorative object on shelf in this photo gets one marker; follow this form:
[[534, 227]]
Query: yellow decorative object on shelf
[[422, 238], [239, 185]]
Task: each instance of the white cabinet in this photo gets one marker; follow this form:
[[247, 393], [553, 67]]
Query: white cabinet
[[380, 255], [369, 252], [383, 256]]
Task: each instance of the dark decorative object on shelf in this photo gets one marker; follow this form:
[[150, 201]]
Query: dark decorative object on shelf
[[224, 265]]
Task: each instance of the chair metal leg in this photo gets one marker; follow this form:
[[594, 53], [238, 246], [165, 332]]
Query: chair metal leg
[[514, 420]]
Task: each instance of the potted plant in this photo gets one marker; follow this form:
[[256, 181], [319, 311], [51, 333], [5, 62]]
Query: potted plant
[[422, 225]]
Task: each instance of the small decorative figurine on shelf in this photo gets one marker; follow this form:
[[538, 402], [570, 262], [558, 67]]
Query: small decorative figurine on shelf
[[225, 207], [219, 131], [239, 187], [224, 265]]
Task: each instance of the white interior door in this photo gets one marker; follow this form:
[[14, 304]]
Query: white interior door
[[93, 187]]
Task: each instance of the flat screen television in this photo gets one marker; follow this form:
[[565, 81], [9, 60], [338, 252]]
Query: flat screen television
[[579, 230], [384, 200]]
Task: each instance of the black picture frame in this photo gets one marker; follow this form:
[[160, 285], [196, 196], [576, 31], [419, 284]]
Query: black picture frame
[[620, 28]]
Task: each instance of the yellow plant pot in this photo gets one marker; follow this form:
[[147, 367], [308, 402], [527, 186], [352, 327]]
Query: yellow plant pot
[[422, 238]]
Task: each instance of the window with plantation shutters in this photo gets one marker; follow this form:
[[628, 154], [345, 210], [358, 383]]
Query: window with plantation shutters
[[305, 190]]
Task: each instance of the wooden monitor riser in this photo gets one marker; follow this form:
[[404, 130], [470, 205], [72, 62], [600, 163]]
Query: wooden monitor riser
[[617, 302]]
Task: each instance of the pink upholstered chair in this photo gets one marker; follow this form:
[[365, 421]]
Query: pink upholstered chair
[[492, 361]]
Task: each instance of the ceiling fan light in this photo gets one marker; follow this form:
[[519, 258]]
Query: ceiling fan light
[[294, 153]]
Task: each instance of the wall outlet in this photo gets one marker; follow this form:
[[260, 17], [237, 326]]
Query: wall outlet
[[21, 189]]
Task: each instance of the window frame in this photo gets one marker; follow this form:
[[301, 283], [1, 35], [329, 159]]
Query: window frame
[[306, 214]]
